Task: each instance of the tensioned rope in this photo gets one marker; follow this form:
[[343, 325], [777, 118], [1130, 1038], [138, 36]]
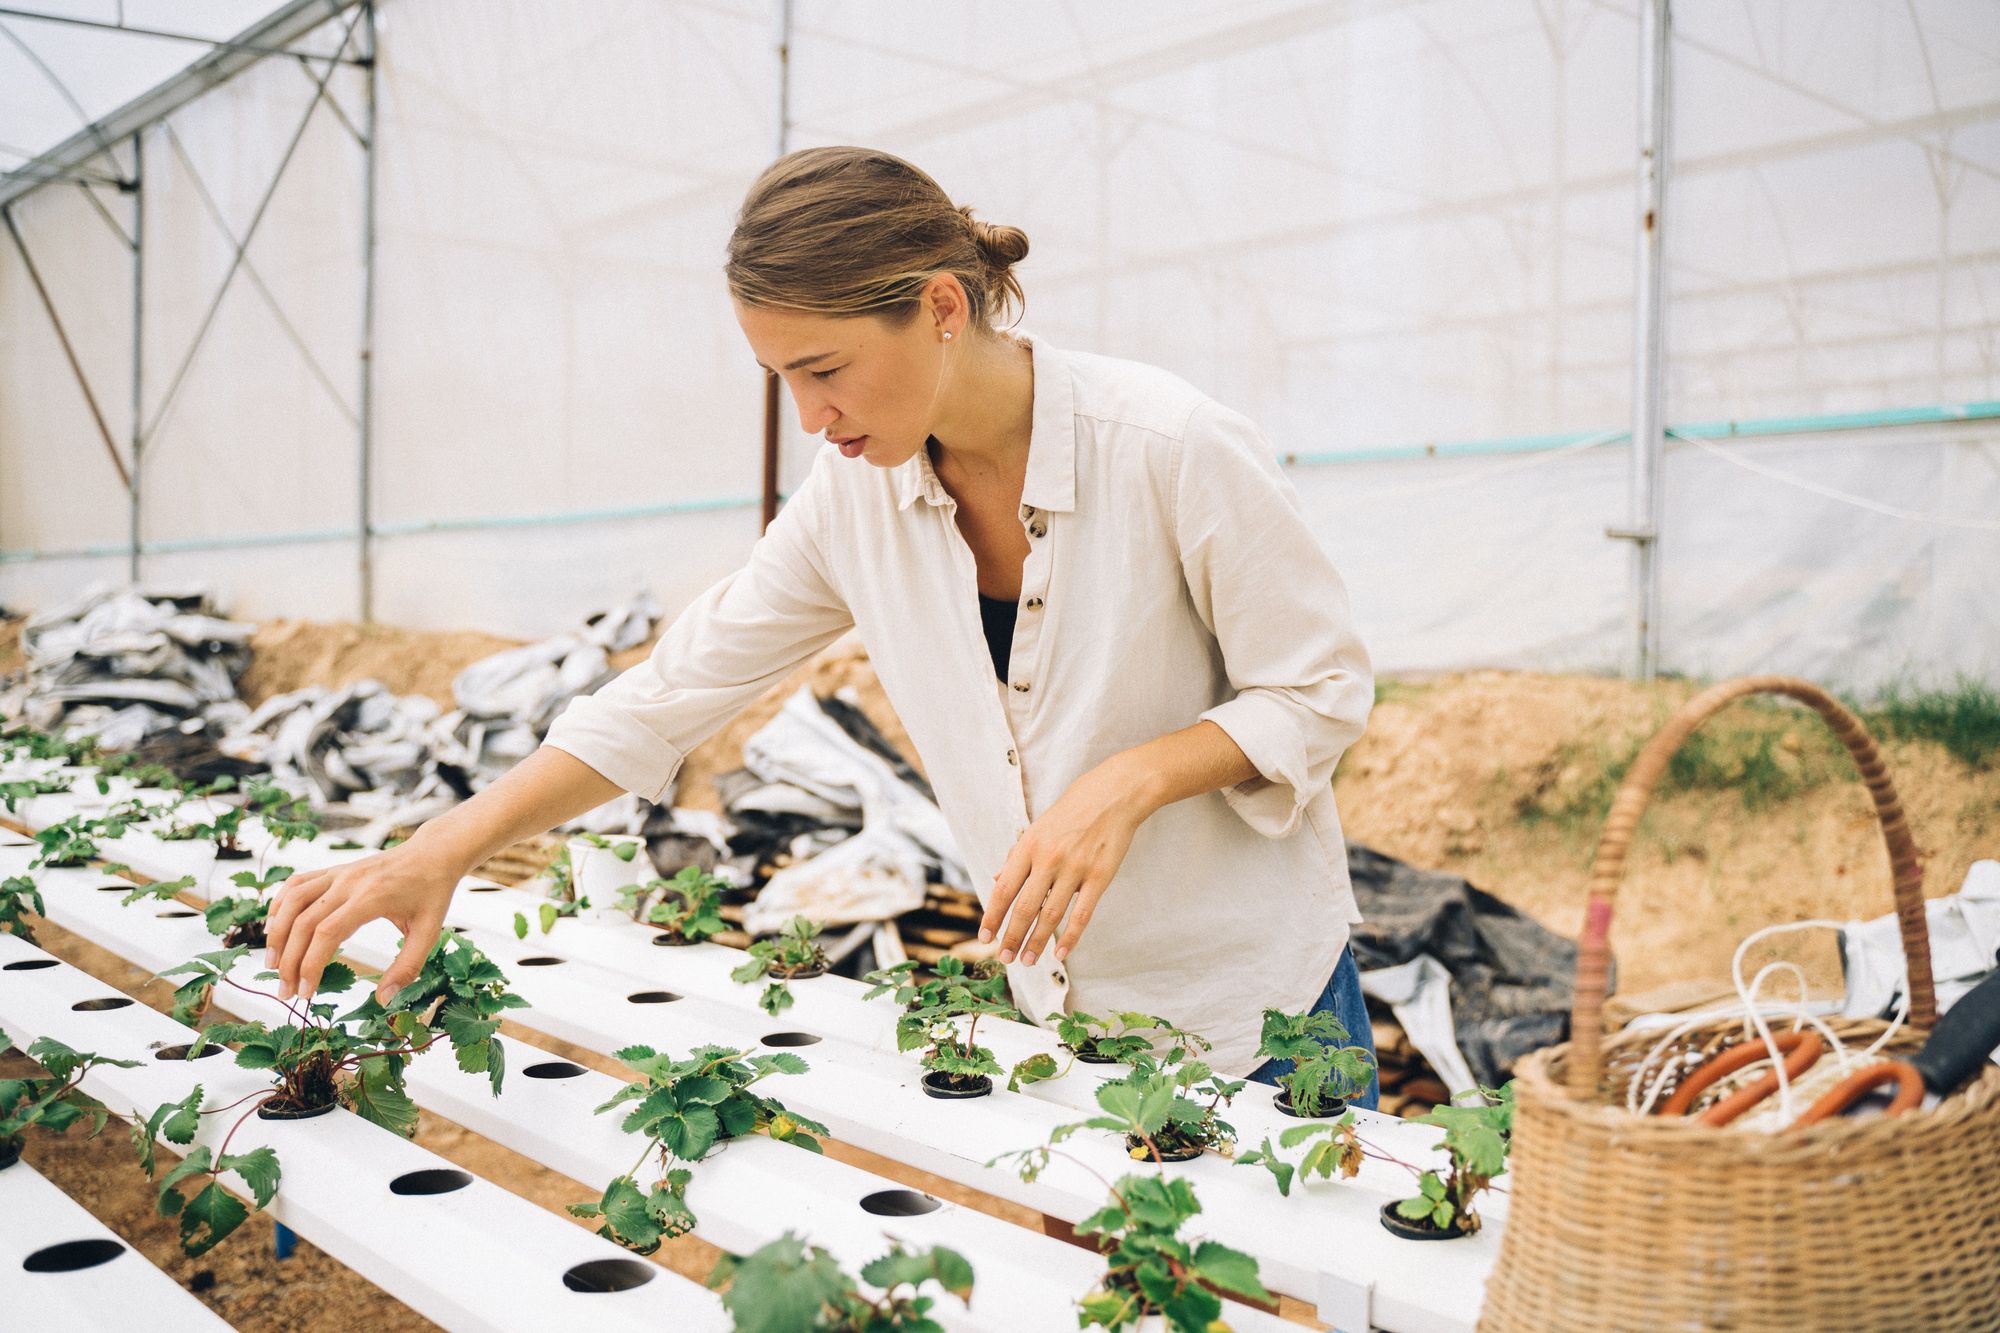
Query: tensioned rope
[[1770, 473]]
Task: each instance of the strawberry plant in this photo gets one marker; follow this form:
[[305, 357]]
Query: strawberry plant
[[240, 921], [689, 906], [54, 1102], [785, 1287], [126, 765], [1325, 1070], [1152, 1269], [562, 898], [792, 954], [1159, 1107], [65, 844], [160, 890], [322, 1060], [685, 1108], [1339, 1149], [27, 788], [955, 1064], [1475, 1144], [18, 896], [1095, 1041], [285, 816]]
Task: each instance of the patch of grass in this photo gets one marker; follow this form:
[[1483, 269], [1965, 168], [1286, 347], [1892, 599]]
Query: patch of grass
[[1397, 691], [1765, 752], [1965, 719]]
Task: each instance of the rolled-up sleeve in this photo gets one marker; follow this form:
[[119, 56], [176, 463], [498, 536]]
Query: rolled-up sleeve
[[1278, 610], [738, 639]]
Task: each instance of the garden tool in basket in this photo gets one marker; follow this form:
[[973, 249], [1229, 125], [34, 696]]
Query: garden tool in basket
[[1957, 1047]]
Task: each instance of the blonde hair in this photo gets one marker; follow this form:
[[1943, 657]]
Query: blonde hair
[[848, 231]]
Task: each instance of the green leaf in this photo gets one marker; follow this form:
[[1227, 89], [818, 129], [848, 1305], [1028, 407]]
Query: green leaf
[[209, 1218], [378, 1095], [520, 926], [259, 1170], [1231, 1270]]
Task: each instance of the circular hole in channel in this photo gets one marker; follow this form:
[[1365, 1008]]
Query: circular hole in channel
[[555, 1069], [608, 1275], [434, 1180], [899, 1203], [114, 888], [651, 997], [180, 1051], [29, 965], [539, 960], [177, 912], [790, 1039], [107, 1002], [72, 1255], [484, 888]]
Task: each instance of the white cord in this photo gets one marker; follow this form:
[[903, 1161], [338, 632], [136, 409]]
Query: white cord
[[1753, 1015], [1538, 458], [1844, 497]]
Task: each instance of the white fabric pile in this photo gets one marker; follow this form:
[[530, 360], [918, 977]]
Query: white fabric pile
[[122, 664], [398, 759], [877, 873]]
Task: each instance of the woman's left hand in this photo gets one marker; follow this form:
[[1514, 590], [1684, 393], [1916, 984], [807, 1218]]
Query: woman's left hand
[[1066, 860]]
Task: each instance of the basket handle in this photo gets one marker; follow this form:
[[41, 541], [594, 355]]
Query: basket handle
[[1593, 963]]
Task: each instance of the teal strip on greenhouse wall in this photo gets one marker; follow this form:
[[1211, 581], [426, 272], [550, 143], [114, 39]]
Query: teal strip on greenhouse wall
[[1704, 430], [1985, 410]]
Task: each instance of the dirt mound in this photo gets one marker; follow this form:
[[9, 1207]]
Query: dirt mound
[[1505, 778], [288, 654]]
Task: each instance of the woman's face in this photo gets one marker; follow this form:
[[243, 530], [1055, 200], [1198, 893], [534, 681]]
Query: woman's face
[[855, 379]]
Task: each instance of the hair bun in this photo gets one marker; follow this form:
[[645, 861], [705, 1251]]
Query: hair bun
[[1002, 246]]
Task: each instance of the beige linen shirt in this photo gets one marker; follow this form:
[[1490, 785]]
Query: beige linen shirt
[[1170, 577]]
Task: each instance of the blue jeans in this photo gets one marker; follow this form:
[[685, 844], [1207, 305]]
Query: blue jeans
[[1342, 998]]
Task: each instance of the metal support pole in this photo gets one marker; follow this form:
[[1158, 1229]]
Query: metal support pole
[[771, 392], [366, 532], [1648, 424], [138, 336]]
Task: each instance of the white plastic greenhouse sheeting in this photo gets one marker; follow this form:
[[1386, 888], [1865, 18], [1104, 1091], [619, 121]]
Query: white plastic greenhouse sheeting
[[1367, 225]]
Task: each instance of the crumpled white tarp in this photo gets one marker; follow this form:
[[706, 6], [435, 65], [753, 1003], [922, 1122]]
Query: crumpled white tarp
[[122, 664], [507, 701], [879, 872], [398, 759], [1965, 946], [1419, 994]]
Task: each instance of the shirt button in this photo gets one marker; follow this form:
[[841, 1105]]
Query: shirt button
[[1027, 512], [1033, 603], [1013, 758], [1021, 685], [1038, 530]]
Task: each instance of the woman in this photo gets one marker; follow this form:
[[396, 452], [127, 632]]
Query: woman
[[1089, 596]]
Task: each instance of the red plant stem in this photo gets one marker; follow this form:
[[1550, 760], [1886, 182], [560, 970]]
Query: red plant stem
[[218, 1110], [223, 1151]]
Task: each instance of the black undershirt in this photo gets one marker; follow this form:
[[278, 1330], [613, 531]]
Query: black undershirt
[[996, 616]]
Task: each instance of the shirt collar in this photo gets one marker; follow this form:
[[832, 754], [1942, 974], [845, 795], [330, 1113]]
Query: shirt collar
[[1051, 480]]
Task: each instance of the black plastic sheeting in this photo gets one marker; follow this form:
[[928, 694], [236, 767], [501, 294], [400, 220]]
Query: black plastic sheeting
[[1511, 977]]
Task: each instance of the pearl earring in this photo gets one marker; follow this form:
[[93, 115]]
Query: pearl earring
[[947, 336]]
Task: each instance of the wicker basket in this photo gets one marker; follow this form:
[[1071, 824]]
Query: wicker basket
[[1618, 1221]]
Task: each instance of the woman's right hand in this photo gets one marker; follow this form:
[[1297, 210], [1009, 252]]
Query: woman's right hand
[[409, 886]]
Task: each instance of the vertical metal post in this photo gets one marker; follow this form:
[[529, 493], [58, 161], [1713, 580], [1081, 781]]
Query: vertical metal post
[[138, 338], [1648, 428], [366, 530], [771, 395]]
